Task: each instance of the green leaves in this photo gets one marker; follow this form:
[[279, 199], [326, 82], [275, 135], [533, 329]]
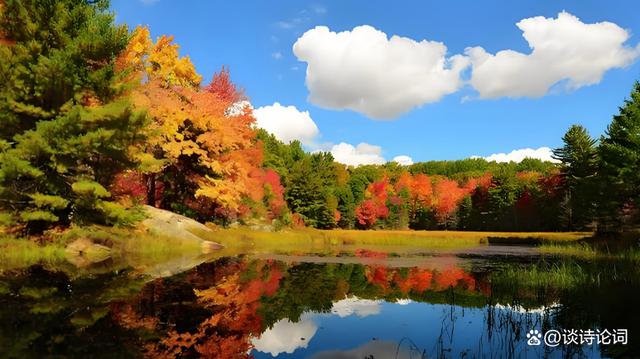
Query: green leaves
[[90, 189], [48, 201], [65, 130]]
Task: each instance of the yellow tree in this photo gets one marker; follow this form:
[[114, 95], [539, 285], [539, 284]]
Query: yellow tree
[[207, 160]]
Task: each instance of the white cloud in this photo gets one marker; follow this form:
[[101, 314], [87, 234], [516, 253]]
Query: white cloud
[[403, 160], [365, 71], [285, 337], [277, 55], [287, 123], [362, 154], [542, 153], [563, 48], [360, 307]]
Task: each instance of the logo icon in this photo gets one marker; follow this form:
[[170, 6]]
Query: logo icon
[[533, 337]]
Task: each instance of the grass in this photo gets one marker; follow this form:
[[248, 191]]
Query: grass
[[564, 275], [127, 246], [19, 253], [306, 240], [582, 250]]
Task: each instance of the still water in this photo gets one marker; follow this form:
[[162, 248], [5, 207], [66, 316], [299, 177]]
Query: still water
[[371, 305]]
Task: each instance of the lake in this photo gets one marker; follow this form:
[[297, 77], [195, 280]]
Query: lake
[[477, 303]]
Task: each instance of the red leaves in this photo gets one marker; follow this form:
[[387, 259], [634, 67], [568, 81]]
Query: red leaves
[[274, 193], [129, 185], [223, 88], [447, 195], [374, 208], [369, 211], [418, 280]]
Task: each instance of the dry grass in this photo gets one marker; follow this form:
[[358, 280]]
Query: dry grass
[[244, 240]]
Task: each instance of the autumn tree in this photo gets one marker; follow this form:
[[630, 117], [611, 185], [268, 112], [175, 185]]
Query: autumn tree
[[207, 159], [447, 196]]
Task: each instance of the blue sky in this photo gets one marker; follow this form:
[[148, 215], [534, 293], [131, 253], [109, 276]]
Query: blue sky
[[490, 110]]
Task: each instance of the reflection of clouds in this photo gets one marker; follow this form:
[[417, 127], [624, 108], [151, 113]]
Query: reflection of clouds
[[353, 305], [544, 310], [373, 349], [403, 301], [285, 337]]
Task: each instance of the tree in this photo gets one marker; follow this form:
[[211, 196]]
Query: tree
[[579, 165], [448, 196], [66, 126], [307, 194], [619, 152], [207, 159]]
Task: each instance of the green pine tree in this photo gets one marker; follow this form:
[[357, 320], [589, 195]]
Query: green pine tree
[[65, 128], [619, 152], [579, 166]]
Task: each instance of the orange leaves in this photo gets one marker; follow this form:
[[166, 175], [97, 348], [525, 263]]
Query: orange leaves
[[191, 128], [235, 302], [418, 280], [223, 88], [447, 195], [274, 193], [375, 207]]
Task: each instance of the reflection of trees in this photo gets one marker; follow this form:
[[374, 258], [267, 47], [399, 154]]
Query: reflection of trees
[[45, 313], [232, 304], [216, 309]]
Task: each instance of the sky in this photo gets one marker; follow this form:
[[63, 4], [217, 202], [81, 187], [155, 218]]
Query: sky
[[411, 81]]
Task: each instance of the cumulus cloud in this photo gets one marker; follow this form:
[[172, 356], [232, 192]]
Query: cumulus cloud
[[285, 337], [287, 123], [360, 307], [362, 154], [542, 153], [366, 71], [403, 160], [562, 49]]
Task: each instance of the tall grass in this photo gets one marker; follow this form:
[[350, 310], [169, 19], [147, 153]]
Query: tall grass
[[563, 275], [334, 241], [18, 253], [581, 250]]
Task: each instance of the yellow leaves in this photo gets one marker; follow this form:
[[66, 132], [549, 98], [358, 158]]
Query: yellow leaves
[[190, 127], [227, 193], [165, 64], [224, 294], [160, 61]]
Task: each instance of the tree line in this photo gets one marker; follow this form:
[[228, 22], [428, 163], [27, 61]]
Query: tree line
[[96, 120]]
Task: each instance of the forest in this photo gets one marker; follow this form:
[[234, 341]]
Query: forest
[[97, 120]]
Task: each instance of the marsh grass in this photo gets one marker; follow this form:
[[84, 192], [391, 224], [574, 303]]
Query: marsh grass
[[563, 275], [581, 250], [18, 253], [126, 246], [327, 242]]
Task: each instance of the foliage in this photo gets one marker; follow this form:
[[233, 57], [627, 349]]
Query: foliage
[[579, 166], [65, 117], [619, 179]]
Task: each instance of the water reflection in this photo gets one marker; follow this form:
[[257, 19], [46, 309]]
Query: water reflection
[[238, 307]]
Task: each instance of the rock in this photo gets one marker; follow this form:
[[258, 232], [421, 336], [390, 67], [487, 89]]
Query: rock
[[174, 225], [83, 252]]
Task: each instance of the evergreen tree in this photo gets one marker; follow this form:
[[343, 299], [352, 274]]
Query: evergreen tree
[[64, 128], [619, 152], [579, 165]]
